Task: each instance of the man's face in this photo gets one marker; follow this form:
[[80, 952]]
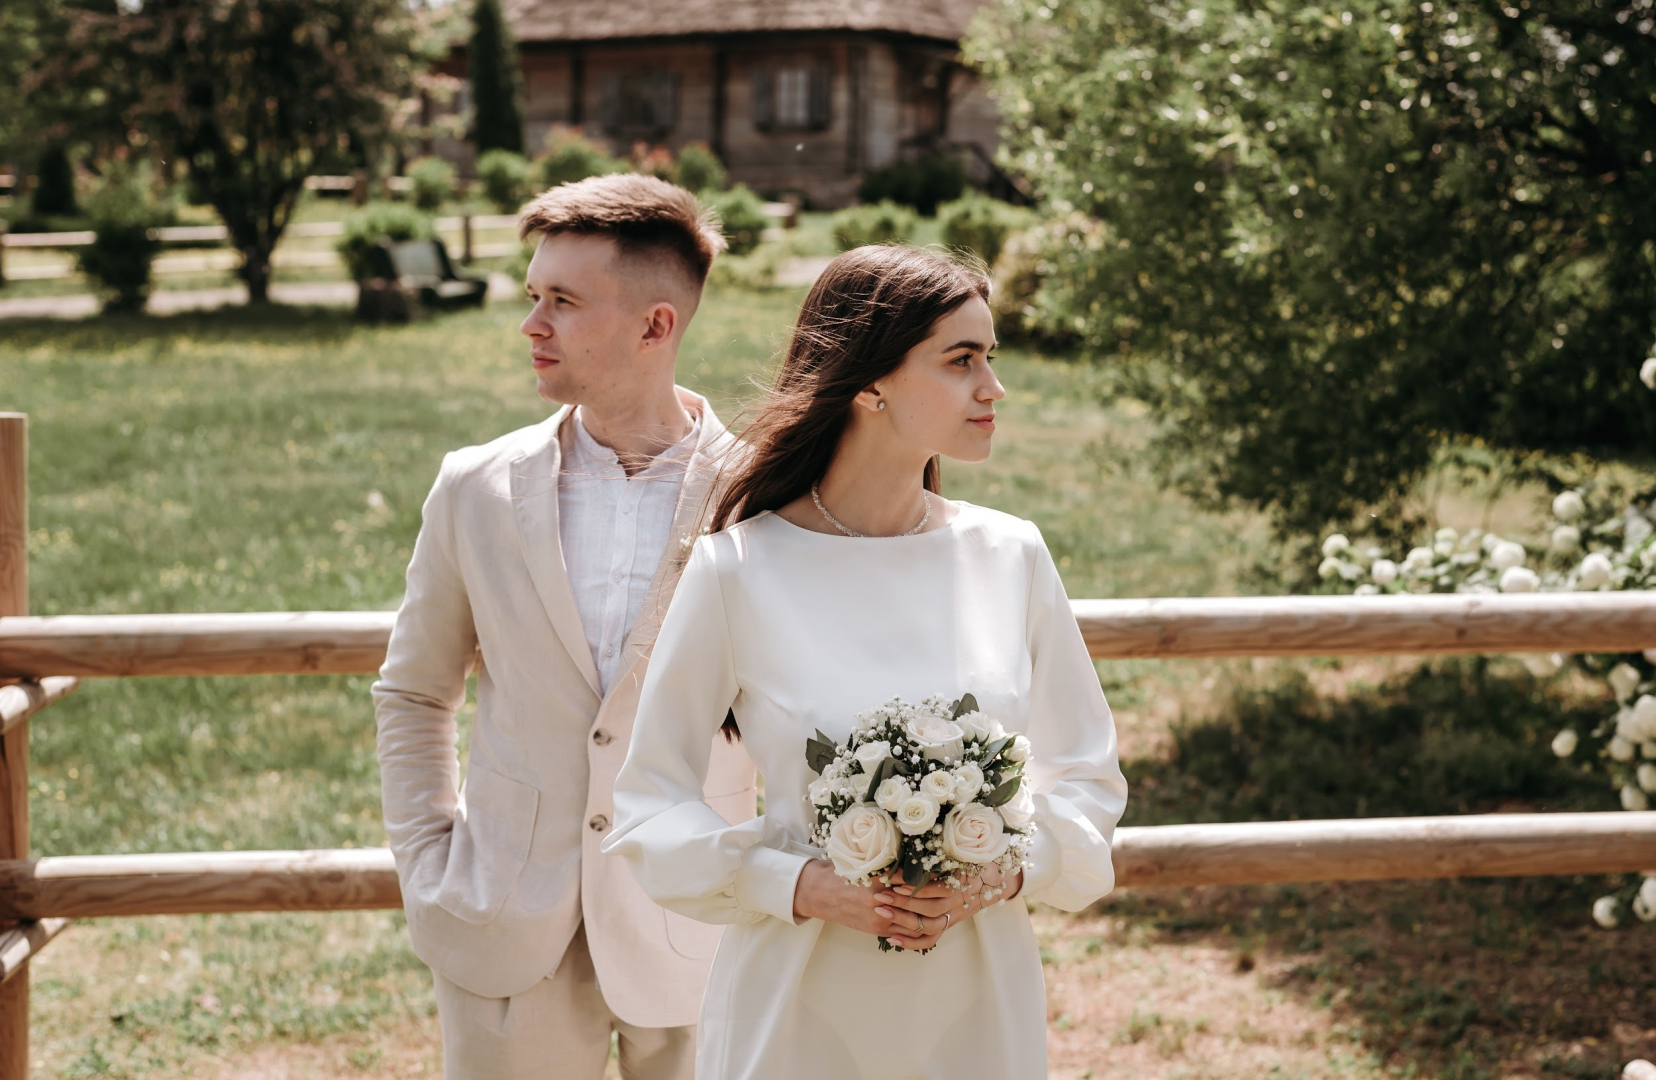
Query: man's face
[[586, 324]]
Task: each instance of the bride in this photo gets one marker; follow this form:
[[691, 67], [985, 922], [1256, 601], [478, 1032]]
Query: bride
[[835, 578]]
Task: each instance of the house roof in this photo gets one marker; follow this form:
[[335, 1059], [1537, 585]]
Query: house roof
[[600, 20]]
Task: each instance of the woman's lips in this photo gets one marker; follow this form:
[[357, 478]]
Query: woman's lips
[[987, 423]]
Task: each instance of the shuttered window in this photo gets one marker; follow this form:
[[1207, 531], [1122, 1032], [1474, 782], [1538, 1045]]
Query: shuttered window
[[792, 96]]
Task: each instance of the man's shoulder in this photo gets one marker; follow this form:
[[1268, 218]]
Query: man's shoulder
[[472, 461]]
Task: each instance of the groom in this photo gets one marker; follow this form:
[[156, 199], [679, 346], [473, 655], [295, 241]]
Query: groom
[[544, 564]]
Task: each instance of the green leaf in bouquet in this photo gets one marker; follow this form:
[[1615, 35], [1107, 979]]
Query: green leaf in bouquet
[[915, 876], [993, 749], [903, 766], [1003, 794], [882, 772], [820, 752], [966, 704]]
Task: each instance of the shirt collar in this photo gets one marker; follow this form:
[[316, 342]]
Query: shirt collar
[[585, 448]]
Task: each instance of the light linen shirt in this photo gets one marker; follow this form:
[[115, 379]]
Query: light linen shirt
[[614, 530]]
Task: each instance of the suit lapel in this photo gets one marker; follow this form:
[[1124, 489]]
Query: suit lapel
[[535, 510]]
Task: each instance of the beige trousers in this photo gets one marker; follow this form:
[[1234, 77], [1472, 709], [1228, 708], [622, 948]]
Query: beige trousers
[[558, 1029]]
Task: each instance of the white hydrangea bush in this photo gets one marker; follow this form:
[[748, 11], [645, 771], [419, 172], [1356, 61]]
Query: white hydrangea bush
[[1592, 543]]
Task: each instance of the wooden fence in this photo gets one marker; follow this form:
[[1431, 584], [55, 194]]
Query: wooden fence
[[42, 659]]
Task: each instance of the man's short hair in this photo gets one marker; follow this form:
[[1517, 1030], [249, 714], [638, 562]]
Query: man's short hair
[[642, 214]]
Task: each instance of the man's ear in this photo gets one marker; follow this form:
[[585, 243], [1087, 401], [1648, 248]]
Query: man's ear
[[660, 322]]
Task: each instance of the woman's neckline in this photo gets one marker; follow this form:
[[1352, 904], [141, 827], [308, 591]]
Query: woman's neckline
[[960, 508]]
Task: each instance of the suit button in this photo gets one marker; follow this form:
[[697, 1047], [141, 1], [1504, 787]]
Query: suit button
[[598, 823], [602, 738]]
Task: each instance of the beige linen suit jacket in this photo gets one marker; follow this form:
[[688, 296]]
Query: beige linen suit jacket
[[496, 876]]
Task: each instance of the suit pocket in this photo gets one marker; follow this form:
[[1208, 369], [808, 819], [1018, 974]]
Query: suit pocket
[[691, 939], [490, 845]]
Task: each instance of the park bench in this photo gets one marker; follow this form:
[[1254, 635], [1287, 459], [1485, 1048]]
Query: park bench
[[410, 277]]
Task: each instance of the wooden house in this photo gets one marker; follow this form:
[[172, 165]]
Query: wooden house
[[796, 96]]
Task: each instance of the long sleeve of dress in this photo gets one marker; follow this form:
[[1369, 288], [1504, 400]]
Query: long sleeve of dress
[[686, 856], [421, 684], [1079, 790]]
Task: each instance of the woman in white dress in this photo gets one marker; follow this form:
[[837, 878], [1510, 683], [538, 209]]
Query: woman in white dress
[[836, 578]]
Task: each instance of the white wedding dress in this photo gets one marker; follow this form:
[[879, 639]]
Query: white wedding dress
[[797, 630]]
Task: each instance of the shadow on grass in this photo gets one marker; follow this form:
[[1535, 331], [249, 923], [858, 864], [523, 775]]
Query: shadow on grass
[[315, 324], [1462, 979]]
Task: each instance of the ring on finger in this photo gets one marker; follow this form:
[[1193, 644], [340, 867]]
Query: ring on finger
[[946, 920]]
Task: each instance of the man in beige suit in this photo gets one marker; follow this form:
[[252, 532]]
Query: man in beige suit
[[544, 563]]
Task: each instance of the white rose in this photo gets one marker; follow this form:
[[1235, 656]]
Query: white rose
[[1644, 719], [1335, 544], [1384, 572], [1419, 558], [891, 792], [968, 783], [1604, 912], [1621, 749], [940, 785], [1519, 579], [916, 813], [821, 791], [1647, 373], [975, 725], [936, 737], [1623, 679], [862, 841], [1567, 506], [996, 731], [1506, 554], [973, 833], [1634, 799], [1595, 572], [1565, 539], [1564, 743], [1020, 809], [870, 754], [1646, 776], [1018, 751], [1329, 568]]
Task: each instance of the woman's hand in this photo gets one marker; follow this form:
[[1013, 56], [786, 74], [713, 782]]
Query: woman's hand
[[936, 900], [822, 894]]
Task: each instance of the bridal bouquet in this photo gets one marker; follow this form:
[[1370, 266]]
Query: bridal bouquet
[[933, 791]]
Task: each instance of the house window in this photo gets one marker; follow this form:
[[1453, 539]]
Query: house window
[[793, 95], [640, 104]]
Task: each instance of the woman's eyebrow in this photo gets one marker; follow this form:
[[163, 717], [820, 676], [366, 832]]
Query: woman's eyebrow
[[974, 346]]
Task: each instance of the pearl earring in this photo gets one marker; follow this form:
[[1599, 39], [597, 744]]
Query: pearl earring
[[880, 406]]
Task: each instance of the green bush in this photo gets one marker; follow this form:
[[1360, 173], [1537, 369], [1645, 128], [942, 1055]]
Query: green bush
[[571, 156], [433, 180], [122, 214], [882, 223], [374, 222], [980, 224], [504, 176], [921, 182], [741, 215], [699, 169], [1023, 298]]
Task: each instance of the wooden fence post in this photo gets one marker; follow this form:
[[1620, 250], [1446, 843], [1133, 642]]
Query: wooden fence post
[[14, 745]]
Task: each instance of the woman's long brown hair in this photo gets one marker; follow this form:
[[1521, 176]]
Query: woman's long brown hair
[[867, 310]]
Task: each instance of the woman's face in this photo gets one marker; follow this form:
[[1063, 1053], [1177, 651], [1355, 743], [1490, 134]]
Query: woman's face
[[942, 397]]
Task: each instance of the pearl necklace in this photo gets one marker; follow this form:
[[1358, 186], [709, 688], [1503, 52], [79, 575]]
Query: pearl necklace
[[835, 522]]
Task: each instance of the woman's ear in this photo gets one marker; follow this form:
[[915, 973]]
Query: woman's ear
[[871, 399]]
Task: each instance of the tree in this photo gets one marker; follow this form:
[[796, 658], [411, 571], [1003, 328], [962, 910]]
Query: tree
[[497, 81], [1336, 235], [251, 95]]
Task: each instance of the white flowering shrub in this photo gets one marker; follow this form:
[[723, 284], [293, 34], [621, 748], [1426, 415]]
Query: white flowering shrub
[[1593, 542]]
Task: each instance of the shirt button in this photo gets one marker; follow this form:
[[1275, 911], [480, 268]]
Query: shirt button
[[598, 823], [609, 650], [616, 577], [602, 738]]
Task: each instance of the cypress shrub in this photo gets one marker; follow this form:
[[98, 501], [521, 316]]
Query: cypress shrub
[[497, 81]]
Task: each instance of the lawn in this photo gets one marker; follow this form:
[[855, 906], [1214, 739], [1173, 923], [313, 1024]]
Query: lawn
[[243, 461]]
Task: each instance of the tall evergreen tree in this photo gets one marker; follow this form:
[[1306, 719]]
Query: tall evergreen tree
[[497, 81]]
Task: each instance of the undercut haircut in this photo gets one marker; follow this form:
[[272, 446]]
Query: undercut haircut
[[643, 215]]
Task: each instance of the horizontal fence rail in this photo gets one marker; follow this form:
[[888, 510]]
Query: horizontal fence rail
[[1371, 849], [353, 642]]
